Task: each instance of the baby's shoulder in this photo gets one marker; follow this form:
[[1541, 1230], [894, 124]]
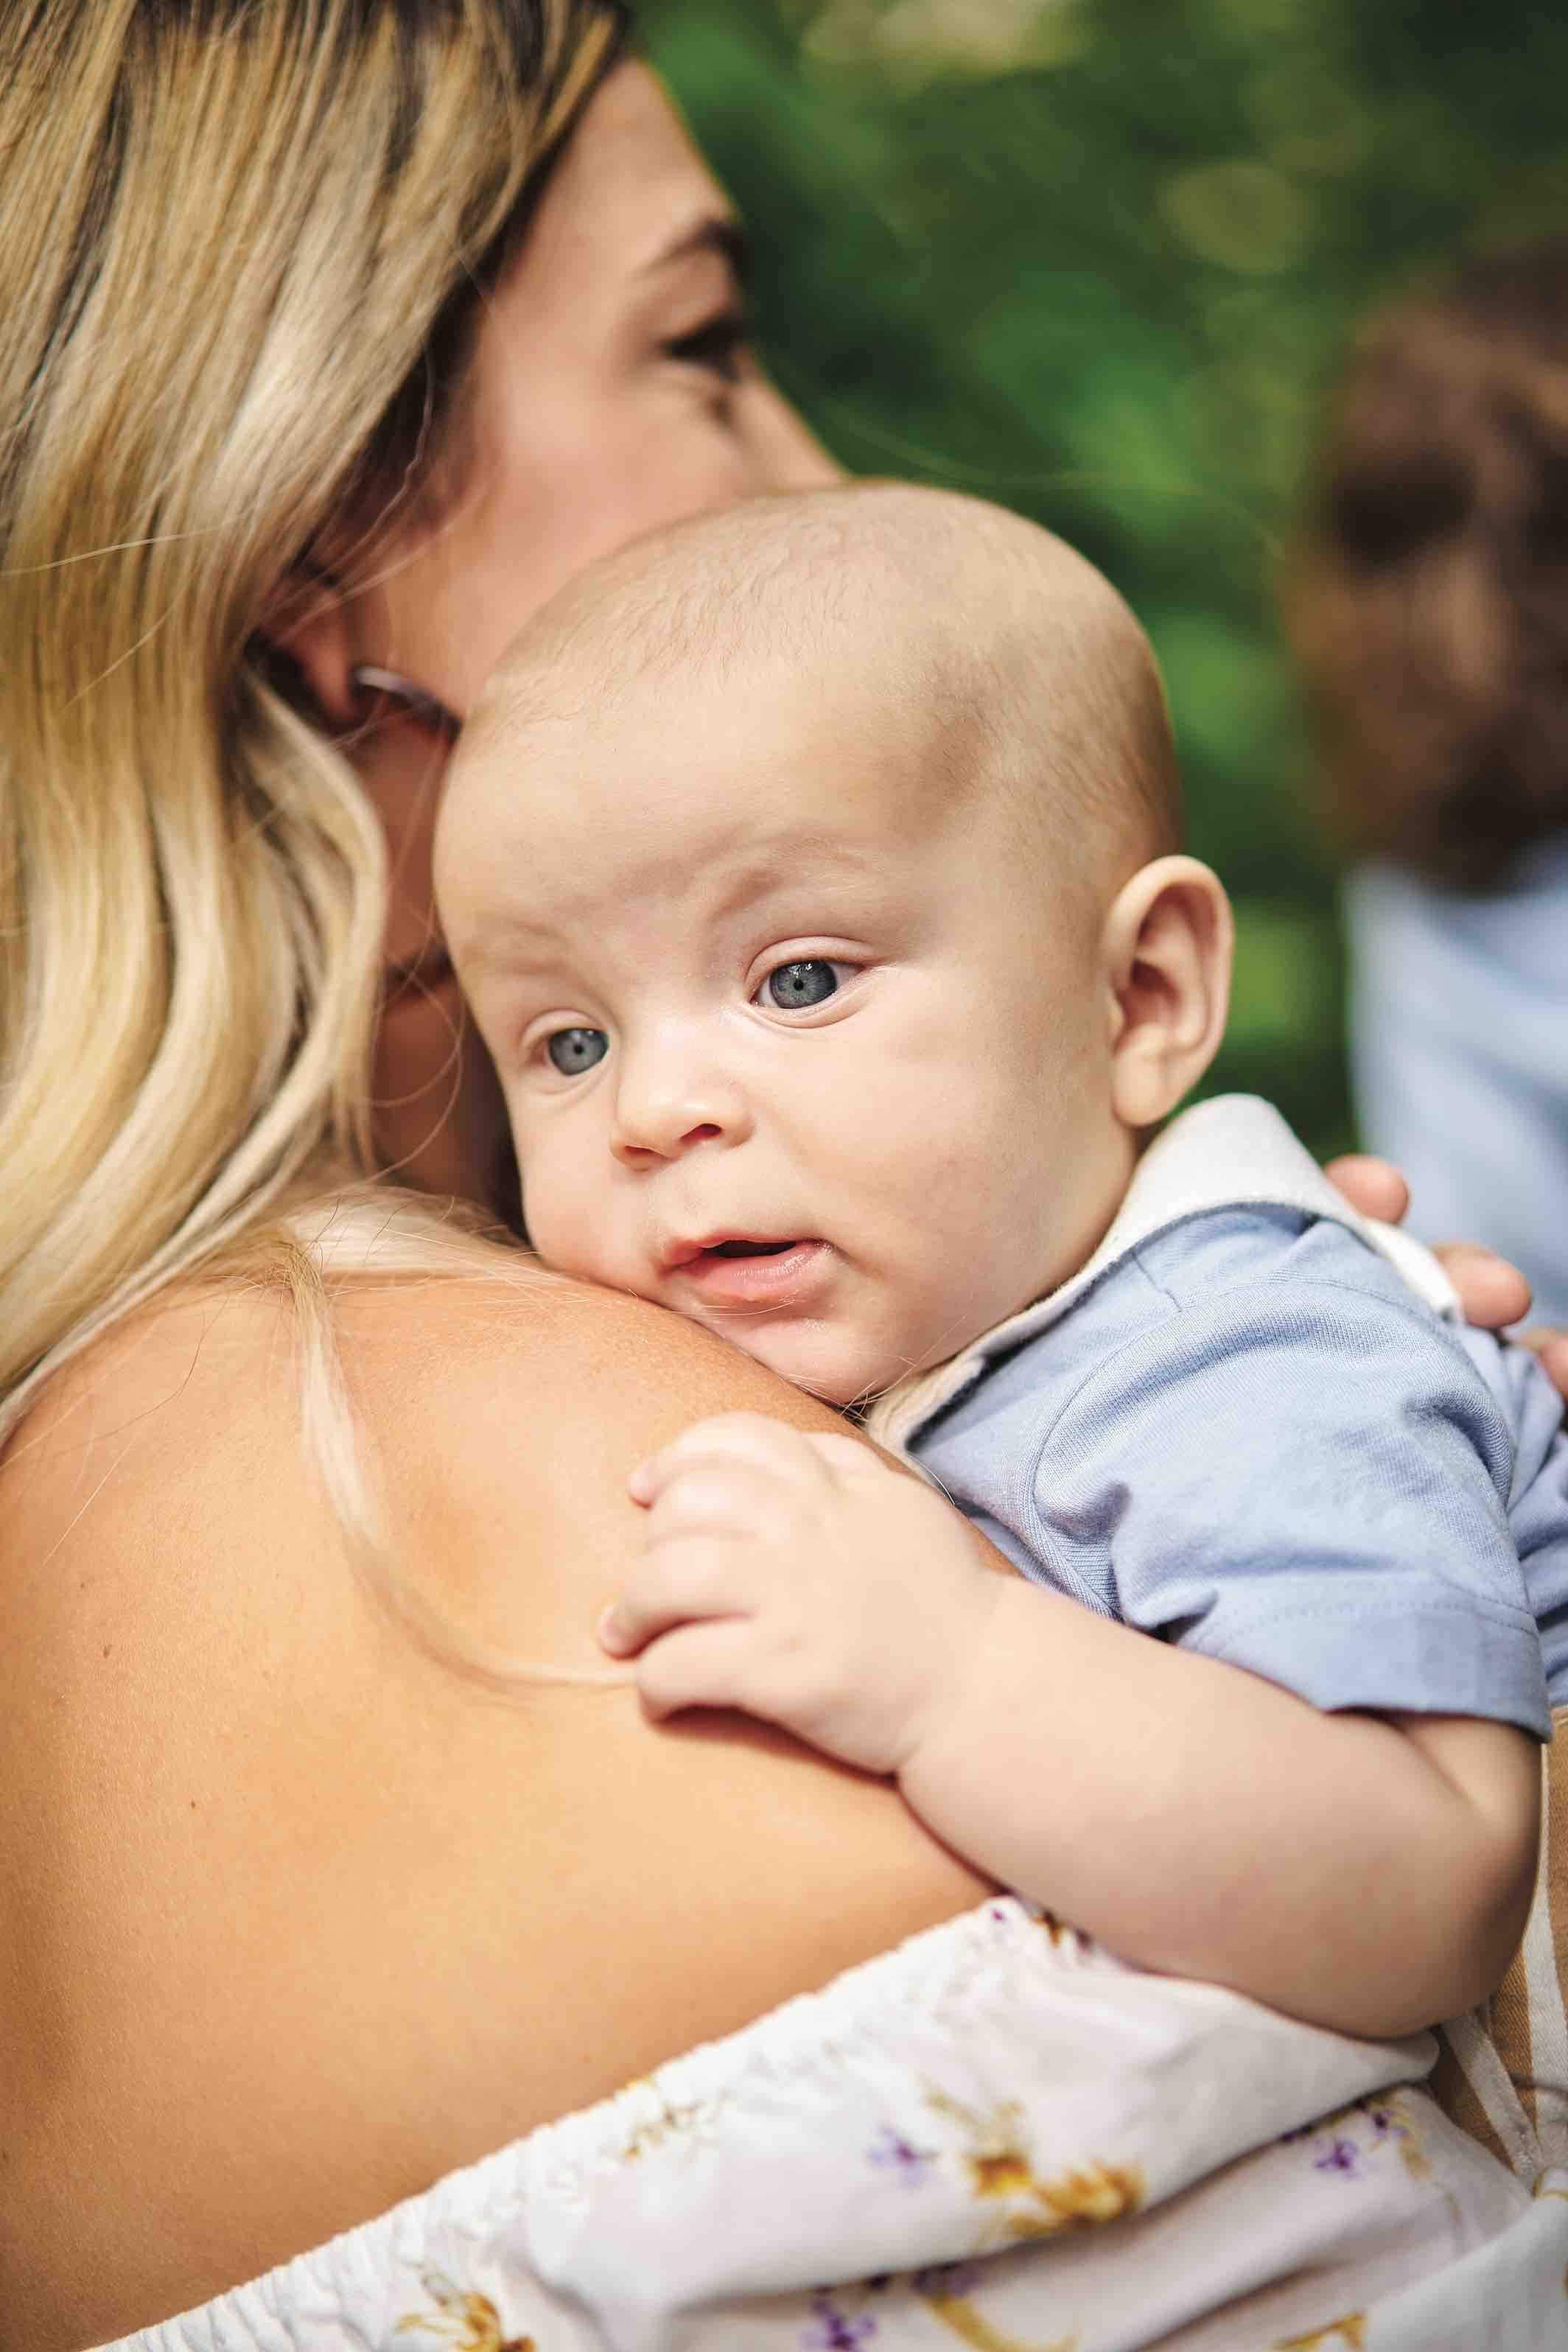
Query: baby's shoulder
[[1266, 1247], [1321, 1289]]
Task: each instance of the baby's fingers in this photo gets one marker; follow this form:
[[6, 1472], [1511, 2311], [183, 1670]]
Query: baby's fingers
[[747, 1440], [705, 1665], [685, 1584]]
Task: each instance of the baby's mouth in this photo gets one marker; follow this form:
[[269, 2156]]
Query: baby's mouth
[[739, 1271]]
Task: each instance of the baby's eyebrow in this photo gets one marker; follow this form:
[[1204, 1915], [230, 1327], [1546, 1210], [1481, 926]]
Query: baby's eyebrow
[[500, 941], [790, 863], [782, 868]]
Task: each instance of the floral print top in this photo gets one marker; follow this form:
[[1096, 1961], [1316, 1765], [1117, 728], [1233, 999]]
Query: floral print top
[[994, 2136]]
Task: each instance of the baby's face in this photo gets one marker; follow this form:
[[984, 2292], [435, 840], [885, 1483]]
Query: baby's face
[[795, 1037]]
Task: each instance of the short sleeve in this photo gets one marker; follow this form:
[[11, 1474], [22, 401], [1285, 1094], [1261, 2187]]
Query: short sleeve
[[1308, 1480]]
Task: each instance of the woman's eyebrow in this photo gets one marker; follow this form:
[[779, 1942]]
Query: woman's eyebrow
[[719, 233]]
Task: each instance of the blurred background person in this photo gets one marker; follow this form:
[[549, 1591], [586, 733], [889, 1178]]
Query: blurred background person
[[1429, 601]]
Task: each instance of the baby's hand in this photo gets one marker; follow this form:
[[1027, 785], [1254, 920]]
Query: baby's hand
[[800, 1579]]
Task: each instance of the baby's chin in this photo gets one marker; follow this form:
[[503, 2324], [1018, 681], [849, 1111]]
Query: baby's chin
[[844, 1369]]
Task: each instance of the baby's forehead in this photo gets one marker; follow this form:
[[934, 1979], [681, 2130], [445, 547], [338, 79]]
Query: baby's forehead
[[792, 651], [587, 818]]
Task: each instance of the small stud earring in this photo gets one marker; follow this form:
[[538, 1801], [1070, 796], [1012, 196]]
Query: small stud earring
[[367, 683]]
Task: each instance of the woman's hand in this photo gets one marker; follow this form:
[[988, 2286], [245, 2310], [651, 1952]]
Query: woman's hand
[[1492, 1293], [797, 1577]]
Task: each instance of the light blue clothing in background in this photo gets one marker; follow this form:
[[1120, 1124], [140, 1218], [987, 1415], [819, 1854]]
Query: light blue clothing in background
[[1239, 1429], [1460, 1056]]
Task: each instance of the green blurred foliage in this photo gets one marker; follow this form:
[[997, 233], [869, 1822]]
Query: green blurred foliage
[[1098, 258]]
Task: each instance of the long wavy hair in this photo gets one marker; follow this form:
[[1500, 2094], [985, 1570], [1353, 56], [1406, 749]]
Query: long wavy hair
[[242, 243], [1427, 594]]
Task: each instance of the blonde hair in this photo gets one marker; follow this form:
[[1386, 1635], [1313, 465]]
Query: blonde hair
[[233, 230]]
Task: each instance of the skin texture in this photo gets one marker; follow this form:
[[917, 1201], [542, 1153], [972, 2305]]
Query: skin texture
[[288, 1900]]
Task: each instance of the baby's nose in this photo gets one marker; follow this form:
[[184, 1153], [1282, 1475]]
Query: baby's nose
[[662, 1115]]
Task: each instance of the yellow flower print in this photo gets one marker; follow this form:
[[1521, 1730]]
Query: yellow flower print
[[1349, 2333], [665, 2124], [958, 2317], [1002, 2171], [1394, 2111], [467, 2321], [1085, 2198]]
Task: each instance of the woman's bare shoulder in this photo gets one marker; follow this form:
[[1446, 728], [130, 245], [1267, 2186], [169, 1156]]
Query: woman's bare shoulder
[[506, 1419], [362, 1880]]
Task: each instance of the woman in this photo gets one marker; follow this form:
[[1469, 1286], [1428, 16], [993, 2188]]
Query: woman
[[339, 332]]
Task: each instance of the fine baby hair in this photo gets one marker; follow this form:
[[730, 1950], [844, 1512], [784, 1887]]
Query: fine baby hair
[[985, 626]]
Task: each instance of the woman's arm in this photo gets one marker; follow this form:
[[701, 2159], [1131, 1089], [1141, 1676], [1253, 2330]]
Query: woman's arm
[[299, 1918]]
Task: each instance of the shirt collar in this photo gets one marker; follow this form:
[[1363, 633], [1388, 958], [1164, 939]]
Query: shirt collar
[[1233, 1151]]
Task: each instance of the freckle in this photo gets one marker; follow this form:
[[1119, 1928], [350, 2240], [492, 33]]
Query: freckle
[[107, 1647]]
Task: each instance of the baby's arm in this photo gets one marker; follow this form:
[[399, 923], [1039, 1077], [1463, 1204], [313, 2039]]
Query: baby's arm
[[1367, 1874]]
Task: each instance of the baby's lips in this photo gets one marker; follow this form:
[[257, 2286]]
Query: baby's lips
[[675, 1255], [729, 1244]]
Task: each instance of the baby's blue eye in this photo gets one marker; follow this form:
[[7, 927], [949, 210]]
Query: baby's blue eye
[[572, 1051], [794, 986]]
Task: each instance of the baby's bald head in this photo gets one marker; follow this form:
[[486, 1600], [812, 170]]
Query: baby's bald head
[[1006, 664]]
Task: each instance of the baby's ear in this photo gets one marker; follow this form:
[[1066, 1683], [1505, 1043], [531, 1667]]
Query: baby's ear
[[1167, 950]]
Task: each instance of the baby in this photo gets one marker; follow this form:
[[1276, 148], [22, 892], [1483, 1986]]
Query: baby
[[813, 870]]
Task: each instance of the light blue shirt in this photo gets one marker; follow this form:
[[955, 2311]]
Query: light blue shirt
[[1460, 1056], [1240, 1430]]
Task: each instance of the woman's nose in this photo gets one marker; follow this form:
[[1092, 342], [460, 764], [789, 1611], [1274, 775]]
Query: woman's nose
[[662, 1113]]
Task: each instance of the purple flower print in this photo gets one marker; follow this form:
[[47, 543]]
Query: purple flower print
[[946, 2279], [891, 2152], [832, 2330], [1343, 2156]]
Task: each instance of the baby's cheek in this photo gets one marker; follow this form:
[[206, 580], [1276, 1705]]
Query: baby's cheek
[[552, 1227], [569, 1223], [541, 1195]]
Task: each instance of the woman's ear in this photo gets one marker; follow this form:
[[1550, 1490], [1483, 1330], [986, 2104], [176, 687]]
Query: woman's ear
[[1167, 947], [307, 627]]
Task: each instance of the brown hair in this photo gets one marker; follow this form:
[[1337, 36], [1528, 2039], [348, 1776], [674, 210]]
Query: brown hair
[[1427, 596]]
